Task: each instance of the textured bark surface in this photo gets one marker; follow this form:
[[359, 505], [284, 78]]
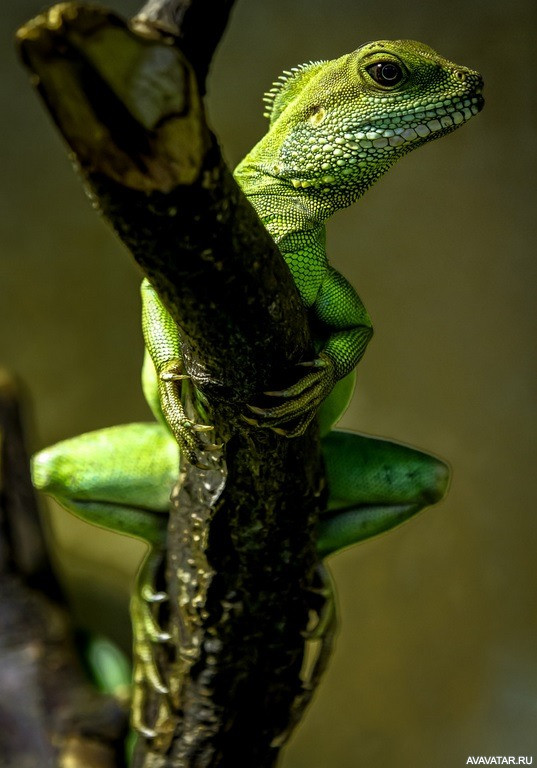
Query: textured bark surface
[[241, 568], [198, 26]]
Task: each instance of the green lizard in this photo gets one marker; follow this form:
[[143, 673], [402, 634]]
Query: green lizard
[[335, 127]]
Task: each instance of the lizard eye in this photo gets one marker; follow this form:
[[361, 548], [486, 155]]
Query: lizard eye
[[385, 73]]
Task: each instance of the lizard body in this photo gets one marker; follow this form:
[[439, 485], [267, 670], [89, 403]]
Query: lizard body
[[335, 127]]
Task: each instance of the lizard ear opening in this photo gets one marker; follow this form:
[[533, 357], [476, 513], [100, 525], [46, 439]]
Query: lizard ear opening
[[287, 87]]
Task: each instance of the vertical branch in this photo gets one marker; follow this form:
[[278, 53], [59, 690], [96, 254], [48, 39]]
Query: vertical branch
[[242, 573], [50, 714], [24, 548]]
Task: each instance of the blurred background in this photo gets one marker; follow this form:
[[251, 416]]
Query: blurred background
[[436, 656]]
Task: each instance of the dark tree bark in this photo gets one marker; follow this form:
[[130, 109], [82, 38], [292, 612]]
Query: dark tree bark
[[241, 568], [197, 24], [50, 714]]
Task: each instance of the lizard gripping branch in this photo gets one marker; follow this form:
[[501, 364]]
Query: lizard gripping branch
[[241, 569], [230, 598], [335, 128]]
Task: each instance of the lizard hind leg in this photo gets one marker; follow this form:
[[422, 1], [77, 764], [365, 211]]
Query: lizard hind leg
[[120, 478], [374, 485]]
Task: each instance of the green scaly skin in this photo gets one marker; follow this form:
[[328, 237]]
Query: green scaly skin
[[335, 127]]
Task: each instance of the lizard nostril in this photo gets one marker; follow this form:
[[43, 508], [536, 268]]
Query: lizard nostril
[[460, 75]]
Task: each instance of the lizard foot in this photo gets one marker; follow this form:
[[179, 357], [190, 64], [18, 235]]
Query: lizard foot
[[150, 626], [186, 432], [300, 401], [148, 633], [159, 725], [147, 678]]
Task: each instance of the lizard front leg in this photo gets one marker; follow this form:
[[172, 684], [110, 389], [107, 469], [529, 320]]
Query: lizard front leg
[[162, 342], [343, 321]]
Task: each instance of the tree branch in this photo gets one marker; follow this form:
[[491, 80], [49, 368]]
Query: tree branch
[[50, 714], [198, 25], [242, 571]]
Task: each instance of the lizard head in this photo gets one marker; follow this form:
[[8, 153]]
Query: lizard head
[[343, 123]]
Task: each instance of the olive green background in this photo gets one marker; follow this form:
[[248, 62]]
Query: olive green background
[[436, 655]]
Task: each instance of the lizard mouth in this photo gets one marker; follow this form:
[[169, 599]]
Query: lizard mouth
[[425, 123], [478, 94], [450, 115]]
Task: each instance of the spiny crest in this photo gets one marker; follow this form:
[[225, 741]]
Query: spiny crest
[[286, 87]]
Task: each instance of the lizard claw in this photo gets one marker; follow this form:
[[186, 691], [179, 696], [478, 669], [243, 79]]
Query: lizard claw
[[318, 362], [204, 458], [170, 376], [280, 431], [150, 596], [256, 409], [206, 462], [300, 401], [197, 457], [213, 446], [199, 465], [186, 432]]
